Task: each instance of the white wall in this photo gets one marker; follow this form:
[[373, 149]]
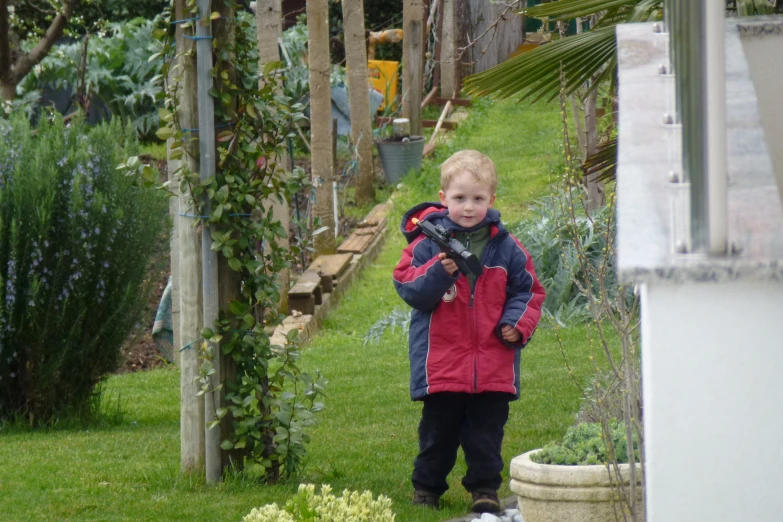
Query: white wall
[[712, 373]]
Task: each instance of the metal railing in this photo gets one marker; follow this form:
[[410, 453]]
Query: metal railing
[[696, 50]]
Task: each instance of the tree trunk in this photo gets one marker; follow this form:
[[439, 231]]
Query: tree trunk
[[596, 196], [188, 252], [269, 27], [358, 74], [413, 12], [7, 91], [322, 159], [448, 51]]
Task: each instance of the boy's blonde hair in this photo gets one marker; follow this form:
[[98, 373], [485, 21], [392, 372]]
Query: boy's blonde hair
[[475, 163]]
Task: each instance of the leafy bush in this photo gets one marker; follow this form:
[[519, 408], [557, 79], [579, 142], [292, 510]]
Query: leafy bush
[[118, 71], [75, 239], [549, 233], [307, 506], [584, 444]]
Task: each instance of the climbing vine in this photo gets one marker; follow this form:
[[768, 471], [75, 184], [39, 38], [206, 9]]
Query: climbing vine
[[270, 402]]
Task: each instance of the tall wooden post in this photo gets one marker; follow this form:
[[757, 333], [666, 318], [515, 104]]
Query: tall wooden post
[[187, 257], [269, 27], [321, 121], [448, 51], [413, 13], [229, 281], [358, 74]]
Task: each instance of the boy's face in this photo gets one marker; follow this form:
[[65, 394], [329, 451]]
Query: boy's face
[[467, 199]]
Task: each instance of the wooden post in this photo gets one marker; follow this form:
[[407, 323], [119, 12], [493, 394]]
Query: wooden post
[[188, 258], [321, 121], [358, 91], [448, 51], [229, 282], [413, 12], [269, 27]]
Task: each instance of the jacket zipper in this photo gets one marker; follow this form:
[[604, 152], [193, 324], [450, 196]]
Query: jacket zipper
[[472, 286]]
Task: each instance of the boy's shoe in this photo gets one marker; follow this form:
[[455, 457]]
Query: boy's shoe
[[422, 497], [485, 500]]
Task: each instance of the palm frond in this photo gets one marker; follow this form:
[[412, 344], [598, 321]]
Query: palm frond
[[537, 73], [602, 165], [567, 9]]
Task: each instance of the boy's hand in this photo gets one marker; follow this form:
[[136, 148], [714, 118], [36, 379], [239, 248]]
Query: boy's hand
[[448, 264], [510, 333]]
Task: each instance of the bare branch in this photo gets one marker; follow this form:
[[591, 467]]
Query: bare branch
[[27, 61]]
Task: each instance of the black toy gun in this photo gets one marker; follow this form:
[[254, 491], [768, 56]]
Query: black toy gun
[[467, 262]]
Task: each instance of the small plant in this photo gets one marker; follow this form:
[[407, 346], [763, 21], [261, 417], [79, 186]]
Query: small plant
[[307, 506], [397, 318], [584, 445]]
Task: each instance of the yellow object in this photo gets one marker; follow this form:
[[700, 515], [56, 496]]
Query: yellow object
[[384, 76]]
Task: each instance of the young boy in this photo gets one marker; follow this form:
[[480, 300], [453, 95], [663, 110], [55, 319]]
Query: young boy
[[466, 333]]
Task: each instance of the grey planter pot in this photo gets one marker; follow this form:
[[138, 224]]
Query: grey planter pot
[[398, 157], [549, 493]]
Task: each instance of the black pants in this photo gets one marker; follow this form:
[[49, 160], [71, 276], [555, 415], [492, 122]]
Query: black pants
[[451, 420]]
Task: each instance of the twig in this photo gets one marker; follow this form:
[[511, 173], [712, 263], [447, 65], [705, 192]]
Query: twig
[[304, 140]]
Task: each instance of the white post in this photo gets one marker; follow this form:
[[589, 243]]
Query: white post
[[209, 261], [717, 178]]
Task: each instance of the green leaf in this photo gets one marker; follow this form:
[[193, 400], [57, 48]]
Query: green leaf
[[221, 412], [222, 194], [238, 308], [225, 136], [235, 264], [164, 133], [271, 66], [226, 445], [567, 9], [540, 72]]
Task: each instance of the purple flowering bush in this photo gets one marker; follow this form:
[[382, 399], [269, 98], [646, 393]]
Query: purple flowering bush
[[76, 236]]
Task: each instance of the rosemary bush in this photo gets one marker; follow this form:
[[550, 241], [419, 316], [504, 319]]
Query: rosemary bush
[[75, 239]]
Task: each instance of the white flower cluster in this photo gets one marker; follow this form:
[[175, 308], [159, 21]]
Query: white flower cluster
[[268, 513], [325, 507]]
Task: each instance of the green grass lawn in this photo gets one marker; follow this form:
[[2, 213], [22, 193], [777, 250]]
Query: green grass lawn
[[366, 438]]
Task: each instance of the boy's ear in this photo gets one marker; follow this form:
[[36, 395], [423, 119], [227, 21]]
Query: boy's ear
[[442, 196], [492, 200]]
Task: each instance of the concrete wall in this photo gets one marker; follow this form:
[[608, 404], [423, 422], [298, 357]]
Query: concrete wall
[[712, 358]]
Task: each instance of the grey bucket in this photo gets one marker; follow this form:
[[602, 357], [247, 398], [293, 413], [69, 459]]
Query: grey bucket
[[398, 157]]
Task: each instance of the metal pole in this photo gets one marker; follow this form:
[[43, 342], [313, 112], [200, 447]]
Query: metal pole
[[209, 262], [717, 178]]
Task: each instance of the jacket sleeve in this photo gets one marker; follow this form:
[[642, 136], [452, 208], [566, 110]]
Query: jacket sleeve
[[420, 278], [525, 296]]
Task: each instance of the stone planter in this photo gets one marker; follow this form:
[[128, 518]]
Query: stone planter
[[550, 493]]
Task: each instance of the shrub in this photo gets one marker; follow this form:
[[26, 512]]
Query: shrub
[[75, 239], [584, 444], [307, 506], [549, 234], [119, 72]]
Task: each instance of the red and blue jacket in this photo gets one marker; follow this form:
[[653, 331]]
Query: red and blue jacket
[[455, 342]]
